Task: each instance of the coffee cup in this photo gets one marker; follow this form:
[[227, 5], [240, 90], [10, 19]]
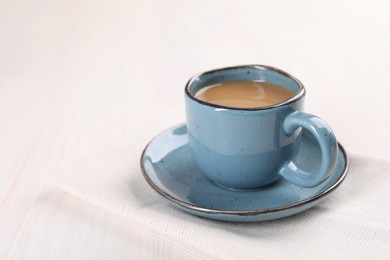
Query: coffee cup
[[243, 148]]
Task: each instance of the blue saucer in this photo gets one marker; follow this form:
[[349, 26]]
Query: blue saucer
[[167, 166]]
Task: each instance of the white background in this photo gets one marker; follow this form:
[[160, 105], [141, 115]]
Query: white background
[[76, 75]]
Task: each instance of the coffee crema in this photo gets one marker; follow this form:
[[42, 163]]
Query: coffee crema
[[244, 94]]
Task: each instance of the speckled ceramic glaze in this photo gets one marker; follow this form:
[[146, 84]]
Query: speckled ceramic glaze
[[167, 166], [248, 148]]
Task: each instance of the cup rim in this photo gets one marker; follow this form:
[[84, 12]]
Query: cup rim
[[299, 94]]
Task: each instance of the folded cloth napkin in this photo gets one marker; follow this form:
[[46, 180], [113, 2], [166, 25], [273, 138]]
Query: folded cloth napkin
[[353, 223]]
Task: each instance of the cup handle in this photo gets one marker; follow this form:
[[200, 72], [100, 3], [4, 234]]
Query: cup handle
[[328, 144]]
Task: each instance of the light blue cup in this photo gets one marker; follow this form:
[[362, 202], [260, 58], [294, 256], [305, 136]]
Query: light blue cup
[[246, 148]]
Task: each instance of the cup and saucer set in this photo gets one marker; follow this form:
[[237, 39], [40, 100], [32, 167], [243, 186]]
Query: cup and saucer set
[[242, 164]]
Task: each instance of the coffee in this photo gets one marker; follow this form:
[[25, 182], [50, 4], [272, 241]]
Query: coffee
[[244, 94]]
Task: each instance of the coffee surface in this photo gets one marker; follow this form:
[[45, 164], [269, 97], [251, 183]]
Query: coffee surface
[[244, 94]]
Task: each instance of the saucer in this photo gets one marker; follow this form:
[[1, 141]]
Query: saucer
[[168, 168]]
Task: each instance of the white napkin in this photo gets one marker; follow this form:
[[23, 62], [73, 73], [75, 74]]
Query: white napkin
[[353, 223]]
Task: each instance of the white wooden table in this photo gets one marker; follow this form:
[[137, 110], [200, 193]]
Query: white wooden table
[[76, 75]]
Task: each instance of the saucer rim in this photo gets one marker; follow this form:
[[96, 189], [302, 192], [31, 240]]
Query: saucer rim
[[241, 212]]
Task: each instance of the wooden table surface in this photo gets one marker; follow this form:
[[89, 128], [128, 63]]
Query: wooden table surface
[[77, 75]]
